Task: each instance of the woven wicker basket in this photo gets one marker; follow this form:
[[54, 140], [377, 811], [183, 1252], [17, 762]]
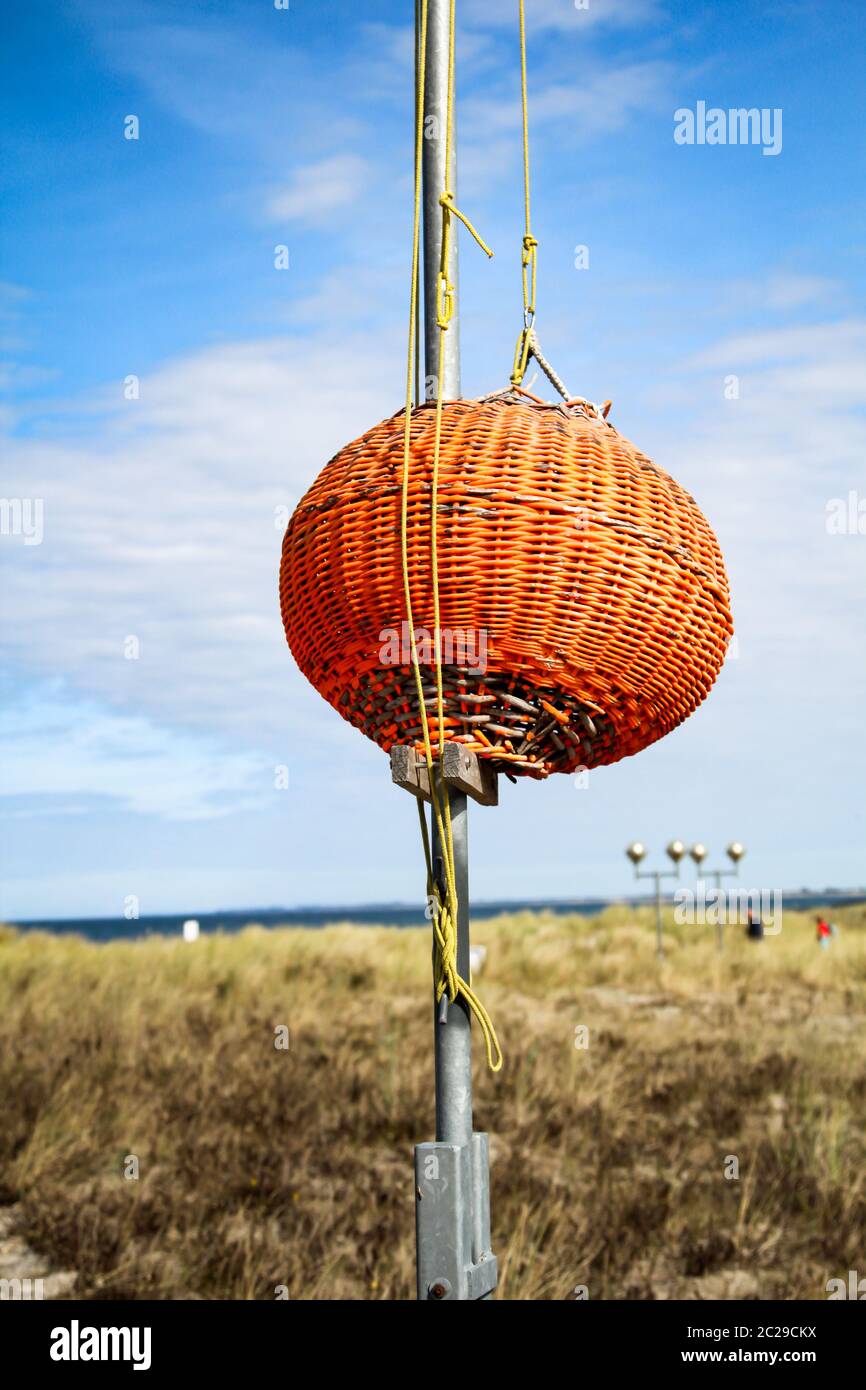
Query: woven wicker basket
[[584, 603]]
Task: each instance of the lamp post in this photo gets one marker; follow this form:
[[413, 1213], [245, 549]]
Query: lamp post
[[735, 852], [675, 852]]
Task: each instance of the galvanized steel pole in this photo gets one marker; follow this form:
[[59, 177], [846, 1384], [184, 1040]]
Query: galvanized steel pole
[[453, 1256], [660, 949], [435, 129], [718, 874], [451, 1022], [452, 1026], [453, 1040]]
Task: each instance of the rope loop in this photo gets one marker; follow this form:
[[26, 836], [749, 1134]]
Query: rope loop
[[444, 300], [529, 265], [521, 355]]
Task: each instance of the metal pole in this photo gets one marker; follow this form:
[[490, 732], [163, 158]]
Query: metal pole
[[452, 1211], [660, 950], [435, 128], [452, 1033], [452, 1023]]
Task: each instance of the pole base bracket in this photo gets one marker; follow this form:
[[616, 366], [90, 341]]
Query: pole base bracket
[[452, 1222]]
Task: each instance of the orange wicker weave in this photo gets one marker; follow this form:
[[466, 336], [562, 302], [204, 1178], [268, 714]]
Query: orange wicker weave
[[584, 605]]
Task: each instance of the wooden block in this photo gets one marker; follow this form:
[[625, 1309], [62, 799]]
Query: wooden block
[[409, 772], [461, 770], [470, 774]]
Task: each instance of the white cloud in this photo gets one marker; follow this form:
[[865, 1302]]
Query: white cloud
[[844, 341], [227, 77], [764, 467], [565, 116], [11, 296], [317, 190], [159, 522], [57, 749], [604, 100], [564, 15], [790, 291]]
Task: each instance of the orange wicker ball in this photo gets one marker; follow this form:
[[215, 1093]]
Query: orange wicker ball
[[584, 606]]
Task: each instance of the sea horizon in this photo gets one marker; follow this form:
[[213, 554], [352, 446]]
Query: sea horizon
[[393, 914]]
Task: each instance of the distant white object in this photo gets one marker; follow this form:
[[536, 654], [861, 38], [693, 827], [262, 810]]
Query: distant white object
[[477, 957], [190, 930]]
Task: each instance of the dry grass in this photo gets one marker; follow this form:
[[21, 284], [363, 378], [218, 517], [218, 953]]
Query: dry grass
[[260, 1167]]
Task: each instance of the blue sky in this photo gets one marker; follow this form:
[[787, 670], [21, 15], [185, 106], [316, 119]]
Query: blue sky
[[163, 514]]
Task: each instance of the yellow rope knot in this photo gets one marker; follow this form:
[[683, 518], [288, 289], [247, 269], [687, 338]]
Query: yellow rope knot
[[445, 935], [446, 202], [449, 981]]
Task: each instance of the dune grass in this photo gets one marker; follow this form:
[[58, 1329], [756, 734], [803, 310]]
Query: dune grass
[[261, 1167]]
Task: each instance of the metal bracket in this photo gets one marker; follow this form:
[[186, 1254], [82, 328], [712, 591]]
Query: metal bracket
[[452, 1222], [462, 770]]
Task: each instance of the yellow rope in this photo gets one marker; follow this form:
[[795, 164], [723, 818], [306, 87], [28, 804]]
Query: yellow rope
[[444, 904], [529, 254]]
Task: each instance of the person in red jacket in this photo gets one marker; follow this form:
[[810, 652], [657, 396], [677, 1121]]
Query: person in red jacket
[[823, 933]]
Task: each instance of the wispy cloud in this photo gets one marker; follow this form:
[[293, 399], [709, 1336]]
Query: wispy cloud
[[315, 191], [563, 15], [63, 751], [227, 77], [765, 464], [163, 520], [792, 291], [603, 101], [11, 298], [842, 342]]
